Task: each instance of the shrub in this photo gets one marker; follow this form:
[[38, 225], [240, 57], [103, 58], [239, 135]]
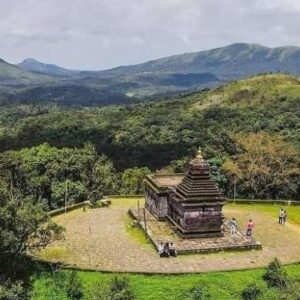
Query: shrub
[[251, 292], [120, 289], [12, 291], [292, 292], [198, 292], [73, 286], [275, 275], [99, 291]]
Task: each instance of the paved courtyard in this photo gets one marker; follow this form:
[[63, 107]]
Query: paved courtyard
[[163, 232], [101, 239]]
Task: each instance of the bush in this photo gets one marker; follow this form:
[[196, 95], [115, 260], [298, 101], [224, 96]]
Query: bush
[[275, 275], [12, 291], [292, 292], [198, 292], [120, 289], [99, 291], [73, 286], [251, 292]]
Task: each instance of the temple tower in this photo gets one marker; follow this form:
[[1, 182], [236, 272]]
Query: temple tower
[[195, 204]]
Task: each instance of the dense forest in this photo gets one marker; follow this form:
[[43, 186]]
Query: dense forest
[[237, 125]]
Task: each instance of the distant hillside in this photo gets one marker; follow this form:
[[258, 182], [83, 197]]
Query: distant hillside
[[233, 61], [30, 64], [13, 75], [156, 79], [154, 134]]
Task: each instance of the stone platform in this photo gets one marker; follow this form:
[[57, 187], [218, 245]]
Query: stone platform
[[163, 231]]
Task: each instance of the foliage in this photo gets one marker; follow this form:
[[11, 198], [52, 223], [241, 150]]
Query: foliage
[[220, 285], [266, 166], [24, 226], [120, 289], [132, 180], [198, 292], [52, 176], [73, 286], [292, 292], [251, 292], [275, 275], [12, 291], [155, 135]]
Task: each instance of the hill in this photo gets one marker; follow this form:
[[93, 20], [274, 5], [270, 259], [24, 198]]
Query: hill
[[13, 75], [157, 79], [233, 61], [154, 134], [32, 65]]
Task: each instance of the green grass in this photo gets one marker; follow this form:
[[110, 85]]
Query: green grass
[[135, 232], [272, 209], [221, 285]]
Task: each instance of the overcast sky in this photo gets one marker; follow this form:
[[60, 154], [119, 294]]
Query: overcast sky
[[99, 34]]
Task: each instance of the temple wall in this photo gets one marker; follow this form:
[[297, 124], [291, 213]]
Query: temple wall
[[203, 219], [156, 203]]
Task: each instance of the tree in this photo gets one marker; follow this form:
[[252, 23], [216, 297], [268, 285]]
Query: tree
[[265, 165], [24, 226], [275, 275], [132, 180]]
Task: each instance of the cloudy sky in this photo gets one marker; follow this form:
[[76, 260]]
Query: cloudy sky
[[99, 34]]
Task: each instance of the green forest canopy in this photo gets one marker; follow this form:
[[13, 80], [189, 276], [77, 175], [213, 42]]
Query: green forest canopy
[[156, 135]]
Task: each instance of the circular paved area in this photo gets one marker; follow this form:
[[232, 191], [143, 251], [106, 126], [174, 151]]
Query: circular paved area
[[98, 239]]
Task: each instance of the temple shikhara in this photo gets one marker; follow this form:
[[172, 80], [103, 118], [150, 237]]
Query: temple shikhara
[[191, 202]]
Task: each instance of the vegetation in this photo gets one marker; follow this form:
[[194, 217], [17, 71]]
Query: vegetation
[[246, 120], [221, 285], [54, 177], [50, 155]]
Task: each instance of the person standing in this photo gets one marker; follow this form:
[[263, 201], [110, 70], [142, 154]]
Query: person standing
[[284, 218], [233, 226], [280, 219], [250, 226]]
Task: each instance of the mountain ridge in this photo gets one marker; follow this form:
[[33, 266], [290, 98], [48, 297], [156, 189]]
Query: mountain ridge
[[154, 79]]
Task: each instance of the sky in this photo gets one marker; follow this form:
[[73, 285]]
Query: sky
[[100, 34]]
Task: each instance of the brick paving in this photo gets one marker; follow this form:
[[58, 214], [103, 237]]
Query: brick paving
[[97, 239]]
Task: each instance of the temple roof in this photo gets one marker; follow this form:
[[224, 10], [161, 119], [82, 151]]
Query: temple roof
[[197, 185], [162, 182]]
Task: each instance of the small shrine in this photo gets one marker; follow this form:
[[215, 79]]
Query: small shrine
[[191, 202]]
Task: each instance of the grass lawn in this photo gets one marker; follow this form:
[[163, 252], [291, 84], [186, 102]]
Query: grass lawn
[[221, 285], [271, 209]]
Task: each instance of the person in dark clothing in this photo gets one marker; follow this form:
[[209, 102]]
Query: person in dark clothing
[[172, 250], [167, 250]]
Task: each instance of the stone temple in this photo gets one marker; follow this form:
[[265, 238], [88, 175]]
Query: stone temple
[[191, 202]]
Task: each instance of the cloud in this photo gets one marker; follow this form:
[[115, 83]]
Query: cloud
[[97, 34]]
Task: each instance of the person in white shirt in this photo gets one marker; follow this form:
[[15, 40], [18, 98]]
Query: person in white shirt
[[161, 249], [233, 226]]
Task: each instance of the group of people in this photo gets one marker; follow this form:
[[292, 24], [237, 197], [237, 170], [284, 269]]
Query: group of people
[[282, 218], [233, 227], [167, 249]]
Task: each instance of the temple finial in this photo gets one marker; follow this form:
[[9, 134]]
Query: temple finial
[[199, 153]]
